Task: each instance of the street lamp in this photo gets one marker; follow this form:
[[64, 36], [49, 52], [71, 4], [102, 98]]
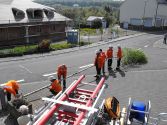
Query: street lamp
[[145, 3]]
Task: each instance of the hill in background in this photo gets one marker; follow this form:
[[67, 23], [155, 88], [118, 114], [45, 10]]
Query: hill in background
[[80, 3]]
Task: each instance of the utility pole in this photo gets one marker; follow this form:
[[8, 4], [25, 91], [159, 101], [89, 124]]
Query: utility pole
[[27, 34], [156, 13], [145, 3]]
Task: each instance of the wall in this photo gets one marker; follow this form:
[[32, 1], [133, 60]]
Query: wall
[[12, 35], [135, 9]]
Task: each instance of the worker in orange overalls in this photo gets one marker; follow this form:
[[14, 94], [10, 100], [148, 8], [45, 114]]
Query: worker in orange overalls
[[11, 87], [109, 55], [62, 73], [55, 87], [98, 63], [103, 55], [119, 57]]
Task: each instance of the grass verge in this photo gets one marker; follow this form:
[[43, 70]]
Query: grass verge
[[134, 57], [86, 31], [32, 49]]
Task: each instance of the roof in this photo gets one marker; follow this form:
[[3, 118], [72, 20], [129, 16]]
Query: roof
[[7, 16], [162, 1], [92, 18], [6, 1]]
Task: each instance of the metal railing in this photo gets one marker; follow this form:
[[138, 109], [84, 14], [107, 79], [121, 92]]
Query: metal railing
[[10, 21]]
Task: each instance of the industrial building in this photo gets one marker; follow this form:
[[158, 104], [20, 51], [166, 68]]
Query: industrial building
[[27, 22], [144, 13]]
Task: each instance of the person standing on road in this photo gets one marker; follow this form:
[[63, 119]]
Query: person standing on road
[[62, 73], [98, 63], [55, 87], [103, 55], [109, 55], [11, 88], [119, 57], [165, 37]]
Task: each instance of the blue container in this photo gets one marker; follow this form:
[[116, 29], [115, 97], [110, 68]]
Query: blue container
[[140, 106], [72, 36]]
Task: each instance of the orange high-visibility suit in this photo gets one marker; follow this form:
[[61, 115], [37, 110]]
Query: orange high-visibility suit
[[98, 61], [109, 55], [103, 55], [119, 56], [62, 72], [11, 87], [119, 53], [99, 64], [55, 87]]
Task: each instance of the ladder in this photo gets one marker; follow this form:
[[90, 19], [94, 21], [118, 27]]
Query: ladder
[[74, 106]]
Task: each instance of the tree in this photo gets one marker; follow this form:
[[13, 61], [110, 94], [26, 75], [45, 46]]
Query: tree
[[97, 23]]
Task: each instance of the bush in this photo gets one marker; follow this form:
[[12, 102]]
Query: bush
[[97, 23], [44, 46], [133, 57], [18, 51], [82, 43]]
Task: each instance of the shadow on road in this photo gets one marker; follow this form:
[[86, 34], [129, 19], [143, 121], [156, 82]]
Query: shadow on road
[[121, 72], [112, 73]]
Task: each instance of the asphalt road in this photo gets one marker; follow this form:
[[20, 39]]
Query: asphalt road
[[147, 82]]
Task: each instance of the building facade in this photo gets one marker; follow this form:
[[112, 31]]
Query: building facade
[[144, 13], [26, 22]]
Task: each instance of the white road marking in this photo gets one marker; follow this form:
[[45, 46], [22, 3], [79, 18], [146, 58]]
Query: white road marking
[[146, 46], [21, 80], [139, 49], [85, 66], [25, 68], [50, 74]]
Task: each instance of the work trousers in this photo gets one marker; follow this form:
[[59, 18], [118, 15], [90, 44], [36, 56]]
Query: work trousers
[[53, 92], [103, 68], [109, 63], [118, 62], [64, 80], [98, 70], [164, 40]]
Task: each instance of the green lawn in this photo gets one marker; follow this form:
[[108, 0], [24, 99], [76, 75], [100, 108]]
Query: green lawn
[[86, 31]]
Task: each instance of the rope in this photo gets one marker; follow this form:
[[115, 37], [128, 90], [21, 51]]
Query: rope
[[61, 80]]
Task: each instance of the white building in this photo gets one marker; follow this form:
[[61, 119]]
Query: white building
[[147, 13]]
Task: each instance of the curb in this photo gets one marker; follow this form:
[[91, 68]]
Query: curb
[[74, 49]]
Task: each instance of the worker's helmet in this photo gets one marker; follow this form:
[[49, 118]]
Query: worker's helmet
[[63, 65], [110, 46], [119, 46], [51, 78], [23, 109], [97, 51]]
